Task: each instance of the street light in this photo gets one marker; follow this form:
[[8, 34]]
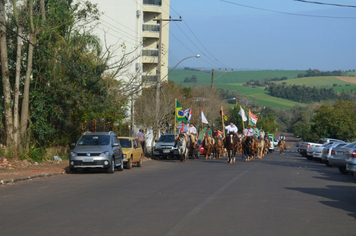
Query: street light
[[197, 56], [158, 88]]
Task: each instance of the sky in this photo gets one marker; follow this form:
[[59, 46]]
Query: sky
[[263, 34]]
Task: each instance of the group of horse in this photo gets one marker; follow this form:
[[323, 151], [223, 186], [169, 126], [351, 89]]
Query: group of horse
[[250, 147]]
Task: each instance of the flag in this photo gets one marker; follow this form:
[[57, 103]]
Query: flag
[[203, 118], [188, 114], [179, 112], [242, 114], [223, 115], [253, 118]]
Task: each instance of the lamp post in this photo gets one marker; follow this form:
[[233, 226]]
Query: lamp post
[[158, 88]]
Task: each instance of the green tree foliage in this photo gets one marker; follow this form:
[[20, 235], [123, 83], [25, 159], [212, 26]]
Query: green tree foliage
[[268, 124], [336, 121], [302, 94], [192, 79], [315, 72]]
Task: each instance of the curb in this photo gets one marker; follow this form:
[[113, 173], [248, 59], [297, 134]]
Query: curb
[[9, 181]]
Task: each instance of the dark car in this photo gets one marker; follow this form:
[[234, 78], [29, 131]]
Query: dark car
[[164, 147], [97, 150]]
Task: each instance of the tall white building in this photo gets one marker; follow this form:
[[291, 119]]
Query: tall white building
[[133, 23]]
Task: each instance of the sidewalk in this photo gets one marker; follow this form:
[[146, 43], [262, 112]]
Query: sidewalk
[[16, 171]]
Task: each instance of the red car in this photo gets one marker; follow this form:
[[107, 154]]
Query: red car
[[201, 149]]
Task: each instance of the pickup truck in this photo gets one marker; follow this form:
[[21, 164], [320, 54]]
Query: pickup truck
[[306, 149]]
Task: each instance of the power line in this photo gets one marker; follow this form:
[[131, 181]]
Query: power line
[[289, 13], [324, 3]]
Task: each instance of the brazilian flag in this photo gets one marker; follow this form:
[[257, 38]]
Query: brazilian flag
[[180, 113]]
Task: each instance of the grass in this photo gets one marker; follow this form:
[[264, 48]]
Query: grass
[[322, 81], [234, 81]]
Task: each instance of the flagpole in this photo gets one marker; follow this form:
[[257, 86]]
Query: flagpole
[[222, 120], [201, 116], [175, 116], [243, 123]]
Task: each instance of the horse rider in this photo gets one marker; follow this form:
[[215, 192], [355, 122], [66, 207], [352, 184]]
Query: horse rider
[[217, 133], [248, 131], [231, 129], [262, 134], [183, 129], [207, 131], [281, 137], [192, 132]]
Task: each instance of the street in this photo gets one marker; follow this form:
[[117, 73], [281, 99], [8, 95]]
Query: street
[[279, 195]]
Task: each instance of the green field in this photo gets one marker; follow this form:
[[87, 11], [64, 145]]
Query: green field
[[234, 81], [322, 81], [178, 76]]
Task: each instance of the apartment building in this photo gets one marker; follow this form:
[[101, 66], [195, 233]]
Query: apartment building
[[134, 23]]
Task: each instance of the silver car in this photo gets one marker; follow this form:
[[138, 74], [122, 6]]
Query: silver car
[[351, 161], [97, 150], [328, 150], [338, 159], [165, 147]]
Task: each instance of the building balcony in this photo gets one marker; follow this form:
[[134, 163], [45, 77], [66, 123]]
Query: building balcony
[[150, 28], [150, 56], [153, 2], [149, 78]]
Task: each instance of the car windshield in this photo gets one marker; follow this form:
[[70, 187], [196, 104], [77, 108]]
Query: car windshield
[[351, 145], [125, 143], [94, 140], [166, 138]]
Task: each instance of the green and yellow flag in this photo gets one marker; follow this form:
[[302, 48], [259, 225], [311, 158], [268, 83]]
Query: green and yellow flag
[[180, 113]]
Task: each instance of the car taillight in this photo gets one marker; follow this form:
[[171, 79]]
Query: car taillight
[[328, 151], [332, 152], [308, 145], [354, 154]]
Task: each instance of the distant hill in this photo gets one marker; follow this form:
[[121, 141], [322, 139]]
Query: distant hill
[[235, 81]]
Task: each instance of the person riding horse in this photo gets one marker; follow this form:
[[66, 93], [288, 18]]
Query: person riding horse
[[230, 130], [248, 131], [183, 129], [281, 137]]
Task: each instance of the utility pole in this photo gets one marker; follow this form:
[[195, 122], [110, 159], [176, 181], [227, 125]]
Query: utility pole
[[212, 75], [158, 71]]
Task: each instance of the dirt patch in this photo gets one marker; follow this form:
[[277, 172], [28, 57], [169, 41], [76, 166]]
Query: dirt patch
[[15, 169], [347, 79]]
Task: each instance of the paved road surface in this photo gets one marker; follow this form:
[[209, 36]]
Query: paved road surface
[[280, 195]]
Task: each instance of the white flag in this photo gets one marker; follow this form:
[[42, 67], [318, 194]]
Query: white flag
[[242, 114], [203, 118], [186, 114]]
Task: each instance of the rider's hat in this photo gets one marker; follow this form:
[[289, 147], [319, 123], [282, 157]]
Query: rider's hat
[[249, 126], [231, 121]]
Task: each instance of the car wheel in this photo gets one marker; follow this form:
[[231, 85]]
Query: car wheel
[[73, 170], [343, 170], [111, 169], [121, 167], [139, 163], [327, 164], [129, 164]]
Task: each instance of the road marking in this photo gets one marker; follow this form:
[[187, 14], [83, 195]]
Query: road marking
[[192, 214]]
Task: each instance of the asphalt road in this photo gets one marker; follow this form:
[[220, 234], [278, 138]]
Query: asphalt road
[[279, 195]]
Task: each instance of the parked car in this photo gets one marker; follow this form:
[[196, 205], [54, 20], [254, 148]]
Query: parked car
[[318, 150], [164, 147], [338, 159], [132, 151], [306, 149], [351, 162], [201, 148], [97, 150], [327, 151]]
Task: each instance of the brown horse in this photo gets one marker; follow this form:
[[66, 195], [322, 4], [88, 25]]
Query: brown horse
[[192, 147], [229, 144], [282, 147], [218, 147], [249, 148], [267, 145], [208, 144]]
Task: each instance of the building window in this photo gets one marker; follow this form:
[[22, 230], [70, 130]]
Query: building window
[[153, 2]]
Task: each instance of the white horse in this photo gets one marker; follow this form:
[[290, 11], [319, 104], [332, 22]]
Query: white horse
[[182, 148]]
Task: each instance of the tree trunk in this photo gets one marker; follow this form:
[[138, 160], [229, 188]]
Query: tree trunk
[[5, 77], [25, 116], [17, 136]]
